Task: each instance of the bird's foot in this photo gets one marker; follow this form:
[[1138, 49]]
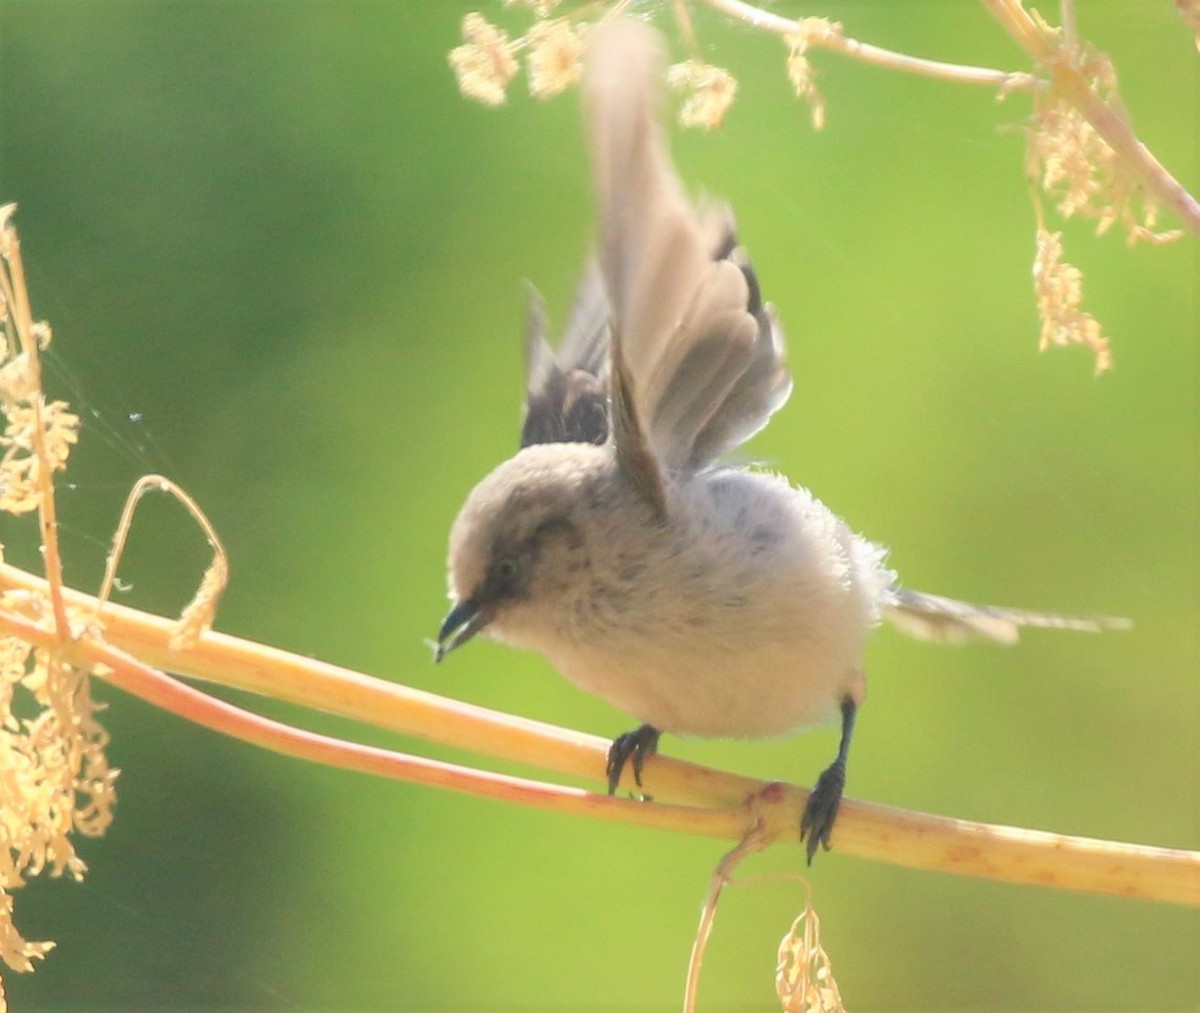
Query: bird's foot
[[641, 744], [823, 803]]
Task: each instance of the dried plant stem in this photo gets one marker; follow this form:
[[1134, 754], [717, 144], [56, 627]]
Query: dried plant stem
[[16, 295], [136, 644], [684, 20], [839, 43], [754, 840], [1110, 123], [197, 616], [145, 484]]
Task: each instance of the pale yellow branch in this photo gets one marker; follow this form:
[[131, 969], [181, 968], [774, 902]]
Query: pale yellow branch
[[175, 697], [837, 42], [865, 830]]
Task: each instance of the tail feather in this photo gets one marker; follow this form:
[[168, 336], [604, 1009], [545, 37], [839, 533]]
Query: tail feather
[[932, 617]]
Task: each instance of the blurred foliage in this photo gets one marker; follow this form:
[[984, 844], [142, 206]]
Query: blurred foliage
[[282, 259]]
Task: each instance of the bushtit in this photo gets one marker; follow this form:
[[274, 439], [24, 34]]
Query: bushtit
[[704, 598]]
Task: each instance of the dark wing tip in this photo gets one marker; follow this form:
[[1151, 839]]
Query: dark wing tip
[[565, 395]]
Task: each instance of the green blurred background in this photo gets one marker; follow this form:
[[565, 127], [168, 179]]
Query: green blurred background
[[282, 258]]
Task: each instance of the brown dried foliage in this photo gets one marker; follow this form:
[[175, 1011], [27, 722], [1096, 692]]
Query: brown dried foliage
[[55, 780]]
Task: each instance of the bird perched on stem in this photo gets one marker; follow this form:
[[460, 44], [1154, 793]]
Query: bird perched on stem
[[703, 598]]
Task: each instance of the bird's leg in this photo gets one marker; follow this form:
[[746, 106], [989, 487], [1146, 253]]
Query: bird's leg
[[826, 796], [641, 744]]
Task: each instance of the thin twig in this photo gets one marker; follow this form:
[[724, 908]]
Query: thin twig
[[755, 840], [838, 42], [1069, 24], [684, 20]]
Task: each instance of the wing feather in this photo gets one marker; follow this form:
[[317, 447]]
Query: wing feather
[[704, 357], [566, 397]]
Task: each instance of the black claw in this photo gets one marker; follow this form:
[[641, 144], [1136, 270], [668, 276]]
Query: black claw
[[822, 809], [826, 797], [641, 744]]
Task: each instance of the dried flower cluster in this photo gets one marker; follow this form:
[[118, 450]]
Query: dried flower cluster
[[708, 92], [1078, 167], [803, 978], [800, 72], [38, 435], [54, 779], [486, 63], [1059, 290], [555, 59]]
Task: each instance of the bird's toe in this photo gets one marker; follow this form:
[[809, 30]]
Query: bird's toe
[[640, 745], [821, 812]]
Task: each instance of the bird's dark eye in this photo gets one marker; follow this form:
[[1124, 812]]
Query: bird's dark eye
[[506, 569]]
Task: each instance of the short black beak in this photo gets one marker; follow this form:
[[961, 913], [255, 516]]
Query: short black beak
[[464, 621]]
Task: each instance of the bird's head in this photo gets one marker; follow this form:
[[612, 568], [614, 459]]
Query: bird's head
[[519, 549]]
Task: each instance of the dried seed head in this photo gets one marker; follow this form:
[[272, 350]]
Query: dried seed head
[[1059, 289], [20, 466], [710, 91], [803, 978], [555, 57], [54, 778], [484, 64], [800, 72], [197, 617], [1075, 165]]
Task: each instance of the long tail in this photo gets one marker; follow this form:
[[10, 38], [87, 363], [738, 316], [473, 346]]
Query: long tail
[[932, 617]]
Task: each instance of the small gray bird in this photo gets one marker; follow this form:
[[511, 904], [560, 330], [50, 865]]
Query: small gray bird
[[704, 598]]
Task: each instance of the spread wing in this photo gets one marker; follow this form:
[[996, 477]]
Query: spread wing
[[703, 357], [669, 345]]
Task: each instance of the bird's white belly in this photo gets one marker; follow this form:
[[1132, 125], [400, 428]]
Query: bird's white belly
[[751, 691]]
